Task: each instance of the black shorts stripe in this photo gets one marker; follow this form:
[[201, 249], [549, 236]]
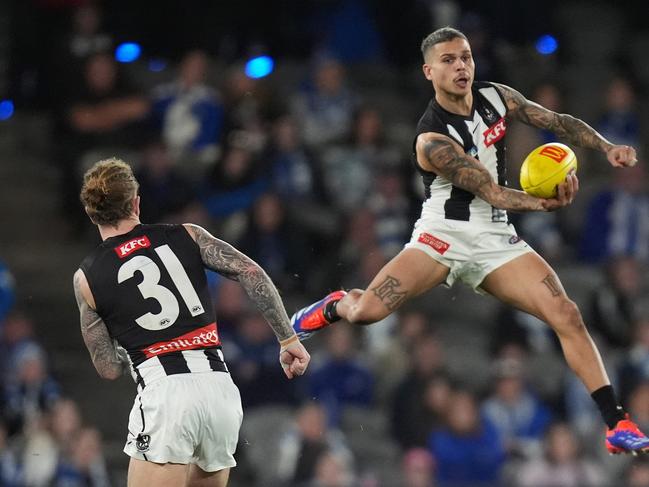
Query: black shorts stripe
[[139, 381], [174, 363], [142, 414]]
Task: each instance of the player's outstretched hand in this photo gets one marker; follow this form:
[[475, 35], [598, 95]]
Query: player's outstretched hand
[[622, 156], [566, 193], [293, 357]]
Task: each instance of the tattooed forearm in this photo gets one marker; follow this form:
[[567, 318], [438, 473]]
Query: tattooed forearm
[[467, 173], [103, 351], [566, 127], [552, 284], [225, 259], [388, 293]]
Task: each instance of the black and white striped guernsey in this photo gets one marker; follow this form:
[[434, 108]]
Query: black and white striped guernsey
[[150, 289], [482, 135]]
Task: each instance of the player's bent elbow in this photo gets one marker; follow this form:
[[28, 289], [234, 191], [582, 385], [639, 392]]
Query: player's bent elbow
[[110, 374]]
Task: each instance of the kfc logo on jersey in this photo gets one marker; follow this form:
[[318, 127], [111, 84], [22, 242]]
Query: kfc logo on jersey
[[438, 245], [127, 248], [494, 133]]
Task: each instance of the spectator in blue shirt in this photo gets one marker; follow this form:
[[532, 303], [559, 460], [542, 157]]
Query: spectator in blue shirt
[[189, 114], [341, 379], [468, 449]]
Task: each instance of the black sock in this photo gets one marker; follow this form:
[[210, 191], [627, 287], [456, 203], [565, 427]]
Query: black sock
[[611, 410], [330, 311]]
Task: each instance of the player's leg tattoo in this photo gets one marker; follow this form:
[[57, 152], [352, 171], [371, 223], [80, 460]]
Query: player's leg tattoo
[[552, 284], [388, 293]]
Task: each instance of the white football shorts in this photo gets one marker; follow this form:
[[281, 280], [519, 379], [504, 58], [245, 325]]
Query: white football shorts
[[470, 250], [187, 418]]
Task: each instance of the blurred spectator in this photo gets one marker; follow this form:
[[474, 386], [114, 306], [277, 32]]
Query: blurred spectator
[[235, 183], [7, 293], [103, 113], [634, 367], [296, 177], [620, 123], [83, 39], [468, 449], [17, 339], [518, 415], [580, 410], [418, 468], [341, 379], [87, 37], [39, 456], [31, 393], [409, 411], [294, 172], [333, 470], [9, 472], [613, 302], [65, 425], [637, 473], [561, 465], [351, 165], [88, 460], [276, 245], [164, 191], [359, 240], [250, 105], [305, 443], [101, 118], [393, 361], [252, 359], [190, 115], [391, 208], [617, 220], [325, 107]]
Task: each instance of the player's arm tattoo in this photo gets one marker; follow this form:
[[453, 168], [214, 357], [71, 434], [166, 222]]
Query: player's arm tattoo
[[389, 293], [228, 261], [107, 358], [551, 282], [566, 127], [466, 172]]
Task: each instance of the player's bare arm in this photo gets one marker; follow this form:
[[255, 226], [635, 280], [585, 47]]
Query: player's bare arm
[[228, 261], [443, 156], [565, 126], [104, 354]]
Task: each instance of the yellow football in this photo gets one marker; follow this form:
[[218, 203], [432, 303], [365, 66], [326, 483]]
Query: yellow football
[[545, 168]]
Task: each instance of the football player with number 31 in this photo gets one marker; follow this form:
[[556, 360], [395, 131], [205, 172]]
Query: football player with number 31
[[463, 232], [145, 307]]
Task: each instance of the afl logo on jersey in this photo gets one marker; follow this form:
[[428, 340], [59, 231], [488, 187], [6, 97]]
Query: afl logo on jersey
[[127, 248], [494, 133]]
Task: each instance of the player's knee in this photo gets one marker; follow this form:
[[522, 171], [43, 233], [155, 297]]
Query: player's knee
[[566, 318]]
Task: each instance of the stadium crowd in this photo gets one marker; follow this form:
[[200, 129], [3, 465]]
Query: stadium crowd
[[308, 172]]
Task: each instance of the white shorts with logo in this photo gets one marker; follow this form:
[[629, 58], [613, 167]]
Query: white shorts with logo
[[470, 250], [187, 418]]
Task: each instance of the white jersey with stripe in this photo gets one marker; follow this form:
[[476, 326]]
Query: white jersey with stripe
[[481, 134]]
